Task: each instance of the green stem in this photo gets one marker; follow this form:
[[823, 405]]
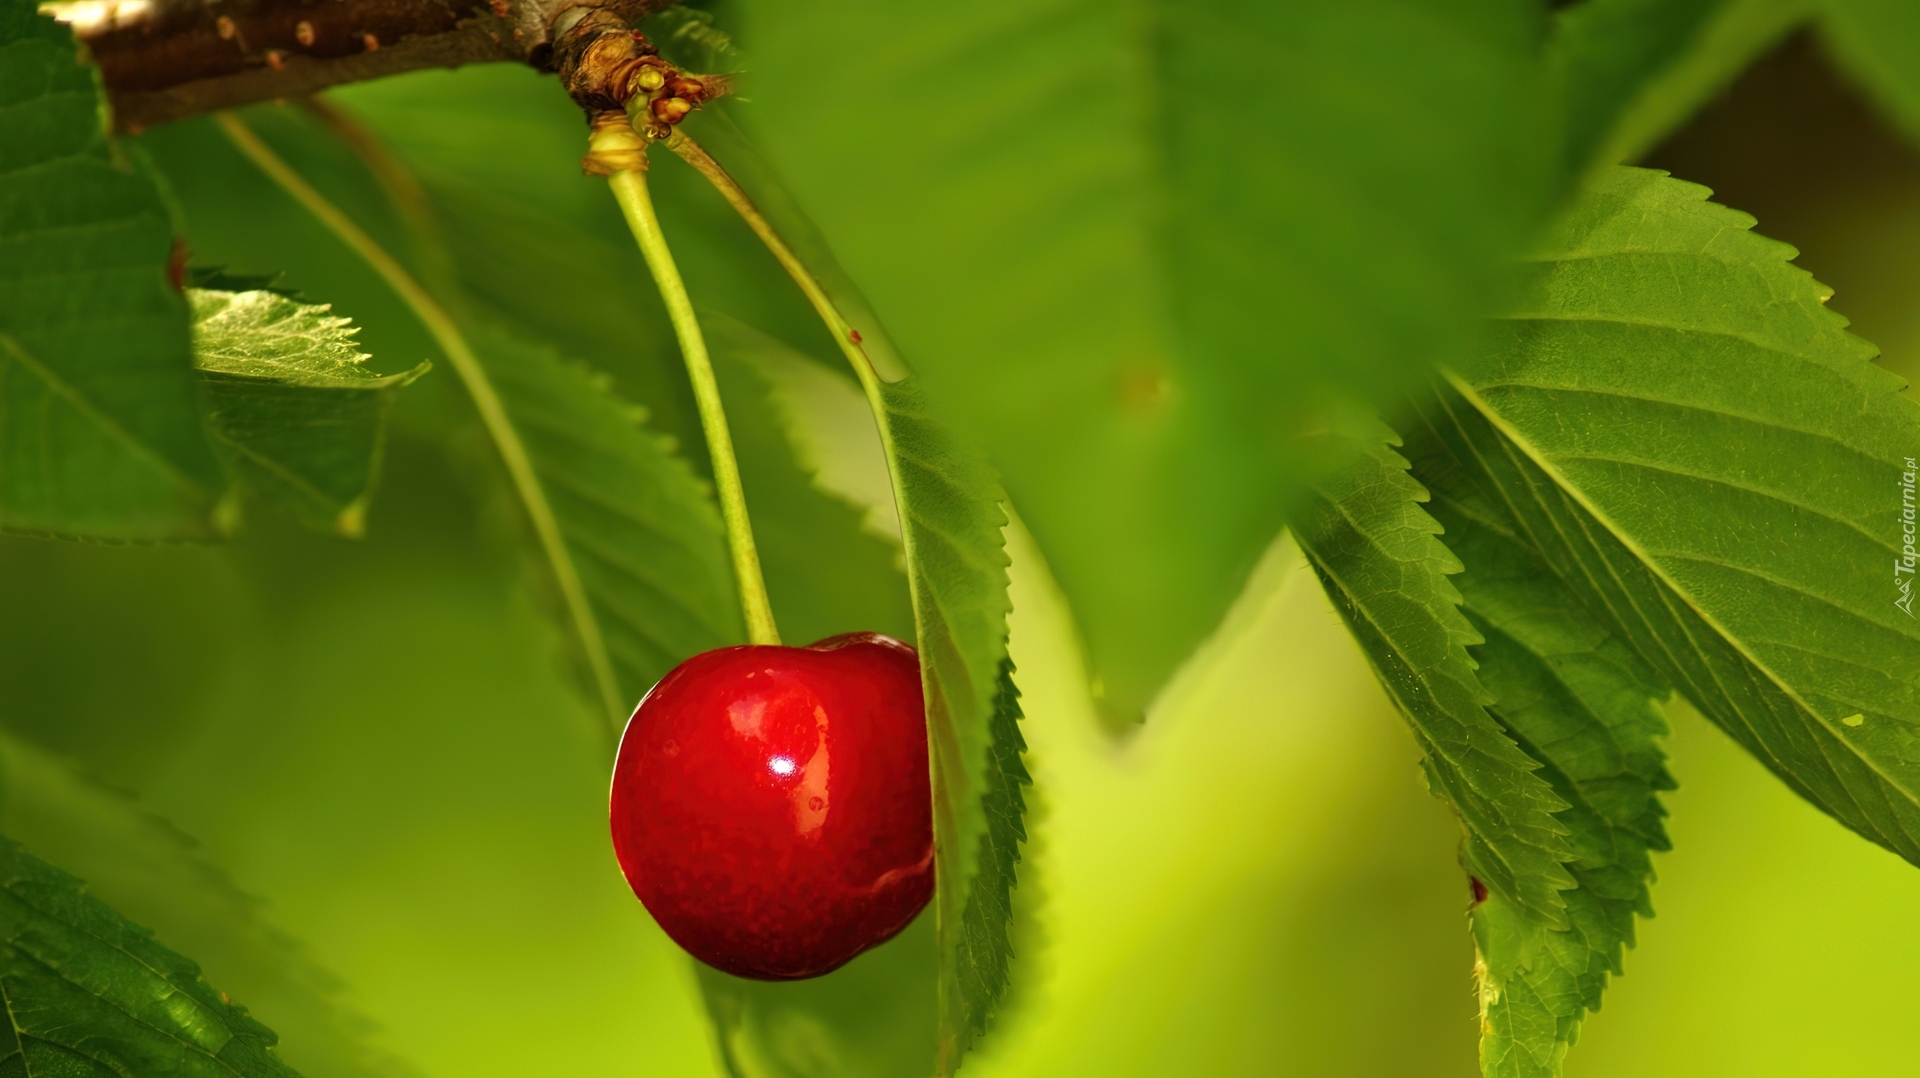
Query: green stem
[[493, 414], [618, 141]]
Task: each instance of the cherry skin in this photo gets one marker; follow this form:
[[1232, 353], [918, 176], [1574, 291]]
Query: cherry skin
[[771, 805]]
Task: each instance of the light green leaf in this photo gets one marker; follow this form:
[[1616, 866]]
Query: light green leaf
[[640, 528], [1878, 43], [1376, 551], [87, 991], [147, 869], [1152, 243], [100, 425], [1581, 702], [1634, 70], [1673, 418], [303, 420]]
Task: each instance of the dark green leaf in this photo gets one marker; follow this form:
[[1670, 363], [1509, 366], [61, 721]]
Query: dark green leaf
[[100, 427], [146, 868], [1376, 551], [303, 420], [1152, 243], [641, 529], [88, 992], [1581, 702], [1635, 70], [1674, 420]]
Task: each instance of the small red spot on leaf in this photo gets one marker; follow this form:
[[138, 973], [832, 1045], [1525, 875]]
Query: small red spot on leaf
[[1479, 890], [853, 335]]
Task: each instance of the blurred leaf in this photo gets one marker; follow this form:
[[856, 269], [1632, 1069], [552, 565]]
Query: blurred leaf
[[1878, 43], [1730, 500], [640, 528], [1153, 243], [100, 428], [1378, 555], [1635, 70], [88, 991], [304, 421], [146, 868], [826, 421], [1581, 702]]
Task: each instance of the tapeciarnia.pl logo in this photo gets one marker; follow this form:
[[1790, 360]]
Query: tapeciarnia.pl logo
[[1903, 565]]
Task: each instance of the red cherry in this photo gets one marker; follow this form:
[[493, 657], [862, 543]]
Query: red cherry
[[771, 805]]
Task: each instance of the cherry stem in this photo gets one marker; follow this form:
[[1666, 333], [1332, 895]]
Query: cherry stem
[[621, 149], [486, 401]]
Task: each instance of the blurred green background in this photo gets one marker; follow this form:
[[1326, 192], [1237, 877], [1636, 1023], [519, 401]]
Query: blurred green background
[[383, 740]]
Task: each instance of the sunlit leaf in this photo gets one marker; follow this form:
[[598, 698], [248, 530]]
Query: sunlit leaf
[[100, 425], [303, 420], [1674, 420]]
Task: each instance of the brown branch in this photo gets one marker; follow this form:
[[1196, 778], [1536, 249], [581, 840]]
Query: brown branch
[[170, 59]]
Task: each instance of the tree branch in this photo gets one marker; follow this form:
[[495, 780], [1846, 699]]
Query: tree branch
[[170, 59]]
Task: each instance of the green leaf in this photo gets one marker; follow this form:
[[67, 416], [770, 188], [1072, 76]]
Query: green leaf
[[1152, 243], [146, 868], [1673, 418], [1878, 43], [1582, 703], [951, 526], [88, 992], [948, 504], [303, 420], [984, 954], [1633, 71], [100, 425], [945, 507], [1377, 553], [640, 528]]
